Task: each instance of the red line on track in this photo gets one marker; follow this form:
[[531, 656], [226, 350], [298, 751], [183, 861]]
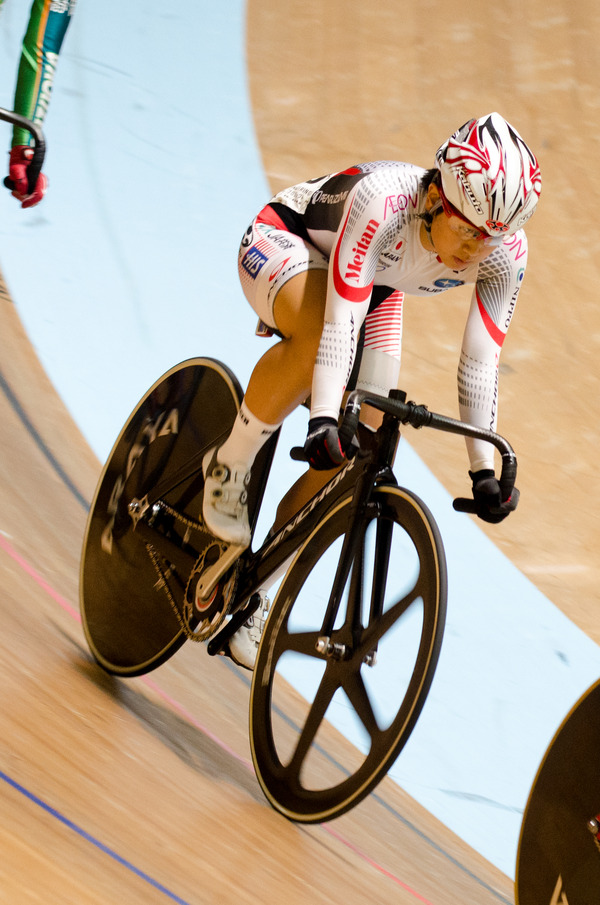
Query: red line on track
[[8, 548], [179, 708]]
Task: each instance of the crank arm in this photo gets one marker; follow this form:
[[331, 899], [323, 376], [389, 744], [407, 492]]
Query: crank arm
[[209, 578]]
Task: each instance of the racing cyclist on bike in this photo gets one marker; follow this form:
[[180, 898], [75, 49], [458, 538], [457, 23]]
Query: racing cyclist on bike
[[328, 257], [48, 23]]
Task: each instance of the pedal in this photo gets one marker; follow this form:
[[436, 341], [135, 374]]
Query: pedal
[[210, 577]]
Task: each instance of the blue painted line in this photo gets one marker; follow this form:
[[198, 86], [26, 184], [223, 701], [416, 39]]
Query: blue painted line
[[88, 838], [380, 800]]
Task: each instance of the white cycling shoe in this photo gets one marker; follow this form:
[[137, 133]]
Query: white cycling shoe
[[244, 644], [225, 504]]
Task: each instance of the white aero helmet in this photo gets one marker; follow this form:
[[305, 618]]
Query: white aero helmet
[[489, 175]]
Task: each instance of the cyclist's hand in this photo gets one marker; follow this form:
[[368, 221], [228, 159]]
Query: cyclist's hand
[[20, 158], [322, 448], [488, 497]]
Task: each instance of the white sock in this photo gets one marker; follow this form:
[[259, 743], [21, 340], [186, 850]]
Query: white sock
[[247, 437]]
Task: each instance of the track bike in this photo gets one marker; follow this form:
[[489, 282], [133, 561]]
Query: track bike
[[558, 861], [352, 640]]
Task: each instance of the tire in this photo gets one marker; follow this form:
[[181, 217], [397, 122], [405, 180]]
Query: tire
[[128, 617], [558, 856], [307, 770]]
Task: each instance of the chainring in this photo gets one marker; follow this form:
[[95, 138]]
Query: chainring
[[203, 617]]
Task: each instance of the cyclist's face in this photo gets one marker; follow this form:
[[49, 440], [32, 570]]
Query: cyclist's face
[[454, 240]]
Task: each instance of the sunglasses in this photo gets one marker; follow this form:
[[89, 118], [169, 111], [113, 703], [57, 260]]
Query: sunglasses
[[464, 229]]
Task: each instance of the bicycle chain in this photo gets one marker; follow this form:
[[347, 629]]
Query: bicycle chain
[[185, 519], [227, 588], [163, 583]]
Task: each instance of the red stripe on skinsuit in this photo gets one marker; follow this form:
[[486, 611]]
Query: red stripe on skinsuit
[[271, 218], [497, 335]]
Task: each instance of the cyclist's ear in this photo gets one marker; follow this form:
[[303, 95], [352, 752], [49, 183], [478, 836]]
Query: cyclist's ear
[[432, 199]]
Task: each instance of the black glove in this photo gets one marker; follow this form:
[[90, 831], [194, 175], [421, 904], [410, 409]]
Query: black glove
[[322, 448], [488, 497]]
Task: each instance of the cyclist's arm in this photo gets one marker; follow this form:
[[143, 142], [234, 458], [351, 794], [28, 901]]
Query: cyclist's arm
[[492, 306], [48, 23], [362, 235]]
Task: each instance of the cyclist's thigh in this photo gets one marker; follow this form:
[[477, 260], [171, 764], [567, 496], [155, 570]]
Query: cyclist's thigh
[[299, 308], [274, 264]]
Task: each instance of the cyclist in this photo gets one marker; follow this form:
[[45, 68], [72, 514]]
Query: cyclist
[[330, 256], [48, 23]]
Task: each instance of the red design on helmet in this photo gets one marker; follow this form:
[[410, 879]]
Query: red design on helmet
[[490, 175]]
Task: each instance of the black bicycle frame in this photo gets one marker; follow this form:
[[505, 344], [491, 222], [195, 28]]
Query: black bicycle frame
[[371, 466], [362, 473]]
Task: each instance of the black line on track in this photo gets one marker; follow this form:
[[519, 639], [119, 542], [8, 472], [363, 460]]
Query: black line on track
[[39, 442], [57, 467]]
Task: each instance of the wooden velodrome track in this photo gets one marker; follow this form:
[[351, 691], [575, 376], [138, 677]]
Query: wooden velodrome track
[[141, 790]]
